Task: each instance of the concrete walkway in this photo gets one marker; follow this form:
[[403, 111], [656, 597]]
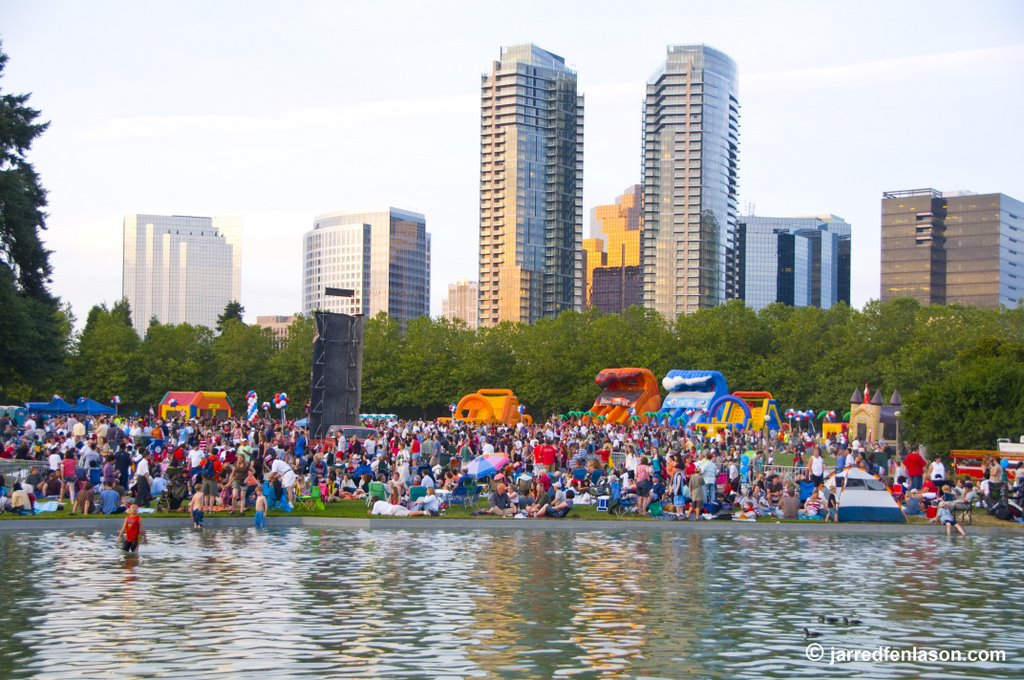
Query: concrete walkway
[[113, 524]]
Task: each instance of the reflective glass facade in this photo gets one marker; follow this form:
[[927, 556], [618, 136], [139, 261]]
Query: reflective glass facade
[[691, 181], [799, 261], [616, 289], [615, 231], [384, 256], [531, 187], [953, 247], [181, 269]]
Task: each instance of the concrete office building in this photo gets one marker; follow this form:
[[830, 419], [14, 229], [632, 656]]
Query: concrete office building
[[180, 269], [531, 188]]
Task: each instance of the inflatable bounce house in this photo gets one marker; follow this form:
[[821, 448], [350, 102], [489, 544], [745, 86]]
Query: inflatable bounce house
[[491, 407], [690, 395], [195, 405], [741, 411], [625, 392], [863, 497]]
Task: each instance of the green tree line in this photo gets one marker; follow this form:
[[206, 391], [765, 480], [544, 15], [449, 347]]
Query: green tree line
[[960, 369]]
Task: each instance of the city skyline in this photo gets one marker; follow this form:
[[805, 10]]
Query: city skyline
[[826, 129]]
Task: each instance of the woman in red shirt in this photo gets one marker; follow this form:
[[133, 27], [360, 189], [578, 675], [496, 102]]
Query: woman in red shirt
[[68, 468]]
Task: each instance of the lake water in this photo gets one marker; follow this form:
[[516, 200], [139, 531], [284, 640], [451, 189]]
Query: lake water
[[491, 603]]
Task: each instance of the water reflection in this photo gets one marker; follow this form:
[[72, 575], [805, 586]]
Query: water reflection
[[291, 602]]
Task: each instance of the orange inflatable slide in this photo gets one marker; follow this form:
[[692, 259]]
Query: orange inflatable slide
[[626, 389]]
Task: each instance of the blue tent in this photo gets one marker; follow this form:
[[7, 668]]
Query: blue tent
[[90, 407], [55, 406]]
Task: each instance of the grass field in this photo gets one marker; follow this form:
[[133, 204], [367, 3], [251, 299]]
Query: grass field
[[357, 510]]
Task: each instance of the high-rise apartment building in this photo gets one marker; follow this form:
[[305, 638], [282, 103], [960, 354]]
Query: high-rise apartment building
[[383, 256], [531, 187], [799, 261], [691, 181], [181, 269], [952, 248], [462, 302], [615, 244]]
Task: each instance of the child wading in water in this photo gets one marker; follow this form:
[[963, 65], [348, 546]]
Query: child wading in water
[[196, 506], [132, 529], [260, 520]]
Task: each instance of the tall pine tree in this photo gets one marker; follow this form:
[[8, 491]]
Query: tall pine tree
[[32, 337]]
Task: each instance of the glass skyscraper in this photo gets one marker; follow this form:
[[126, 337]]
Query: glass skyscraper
[[384, 256], [690, 181], [799, 261], [531, 187], [181, 269], [953, 247]]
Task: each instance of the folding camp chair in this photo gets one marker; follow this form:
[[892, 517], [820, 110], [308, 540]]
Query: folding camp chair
[[415, 493], [963, 510], [377, 492], [307, 502], [465, 495]]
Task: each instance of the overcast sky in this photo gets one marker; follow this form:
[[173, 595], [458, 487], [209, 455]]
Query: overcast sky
[[280, 111]]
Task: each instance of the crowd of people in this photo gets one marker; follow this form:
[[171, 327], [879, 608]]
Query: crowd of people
[[412, 468]]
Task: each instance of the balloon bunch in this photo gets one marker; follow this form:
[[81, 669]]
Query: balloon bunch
[[452, 407], [265, 406], [522, 409], [632, 411], [831, 415], [172, 402], [115, 400], [281, 401], [253, 402]]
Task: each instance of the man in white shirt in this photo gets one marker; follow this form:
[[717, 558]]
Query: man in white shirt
[[817, 468], [287, 477]]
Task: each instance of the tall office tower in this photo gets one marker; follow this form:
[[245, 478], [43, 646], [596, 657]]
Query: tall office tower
[[531, 188], [181, 269], [383, 256], [952, 248], [462, 302], [691, 181], [799, 261], [619, 226]]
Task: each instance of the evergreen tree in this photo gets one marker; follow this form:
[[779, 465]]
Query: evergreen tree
[[33, 334]]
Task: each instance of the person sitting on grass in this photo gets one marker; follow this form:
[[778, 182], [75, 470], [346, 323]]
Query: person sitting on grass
[[558, 508], [21, 504], [110, 501], [539, 499], [500, 503], [812, 507], [84, 502], [789, 506], [429, 505]]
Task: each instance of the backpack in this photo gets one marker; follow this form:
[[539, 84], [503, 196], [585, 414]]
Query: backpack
[[208, 469]]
